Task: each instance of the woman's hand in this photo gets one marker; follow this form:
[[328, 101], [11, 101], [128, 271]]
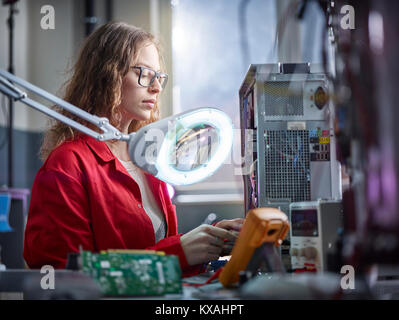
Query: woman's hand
[[234, 226], [206, 242]]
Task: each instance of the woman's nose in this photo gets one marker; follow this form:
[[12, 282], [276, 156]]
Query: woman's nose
[[156, 86]]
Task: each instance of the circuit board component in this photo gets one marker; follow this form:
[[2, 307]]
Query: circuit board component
[[133, 272]]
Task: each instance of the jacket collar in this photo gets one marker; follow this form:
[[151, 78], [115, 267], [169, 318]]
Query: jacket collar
[[99, 148], [157, 186]]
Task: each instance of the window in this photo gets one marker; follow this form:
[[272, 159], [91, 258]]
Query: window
[[214, 42]]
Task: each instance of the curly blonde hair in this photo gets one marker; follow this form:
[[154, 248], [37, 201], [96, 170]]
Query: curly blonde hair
[[96, 82]]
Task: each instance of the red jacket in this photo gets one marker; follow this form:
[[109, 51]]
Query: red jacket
[[83, 196]]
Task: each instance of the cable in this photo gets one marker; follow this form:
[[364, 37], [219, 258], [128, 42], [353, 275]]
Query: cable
[[3, 143], [242, 28], [283, 21]]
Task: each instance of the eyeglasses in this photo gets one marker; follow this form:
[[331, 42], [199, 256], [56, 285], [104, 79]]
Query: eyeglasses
[[147, 77]]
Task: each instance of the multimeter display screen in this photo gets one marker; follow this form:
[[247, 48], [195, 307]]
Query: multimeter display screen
[[304, 223]]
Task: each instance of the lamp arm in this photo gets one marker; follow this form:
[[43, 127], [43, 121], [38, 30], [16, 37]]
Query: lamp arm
[[9, 89]]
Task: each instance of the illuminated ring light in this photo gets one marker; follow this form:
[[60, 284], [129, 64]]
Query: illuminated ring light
[[213, 117]]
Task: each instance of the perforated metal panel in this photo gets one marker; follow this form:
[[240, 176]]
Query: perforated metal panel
[[283, 98], [285, 172], [287, 165]]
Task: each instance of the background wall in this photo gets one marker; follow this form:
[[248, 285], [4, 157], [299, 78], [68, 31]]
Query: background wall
[[43, 58]]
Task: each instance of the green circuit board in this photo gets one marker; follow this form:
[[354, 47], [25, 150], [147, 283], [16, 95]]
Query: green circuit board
[[133, 272]]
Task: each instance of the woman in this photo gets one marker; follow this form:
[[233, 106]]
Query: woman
[[88, 194]]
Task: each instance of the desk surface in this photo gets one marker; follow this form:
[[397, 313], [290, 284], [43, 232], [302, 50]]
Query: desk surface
[[75, 285], [79, 286]]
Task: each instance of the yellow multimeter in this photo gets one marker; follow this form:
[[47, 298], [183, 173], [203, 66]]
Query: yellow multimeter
[[261, 225]]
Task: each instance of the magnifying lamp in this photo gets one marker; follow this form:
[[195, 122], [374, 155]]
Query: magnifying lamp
[[180, 150]]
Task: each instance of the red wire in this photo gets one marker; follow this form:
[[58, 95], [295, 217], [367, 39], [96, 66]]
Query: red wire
[[211, 278]]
